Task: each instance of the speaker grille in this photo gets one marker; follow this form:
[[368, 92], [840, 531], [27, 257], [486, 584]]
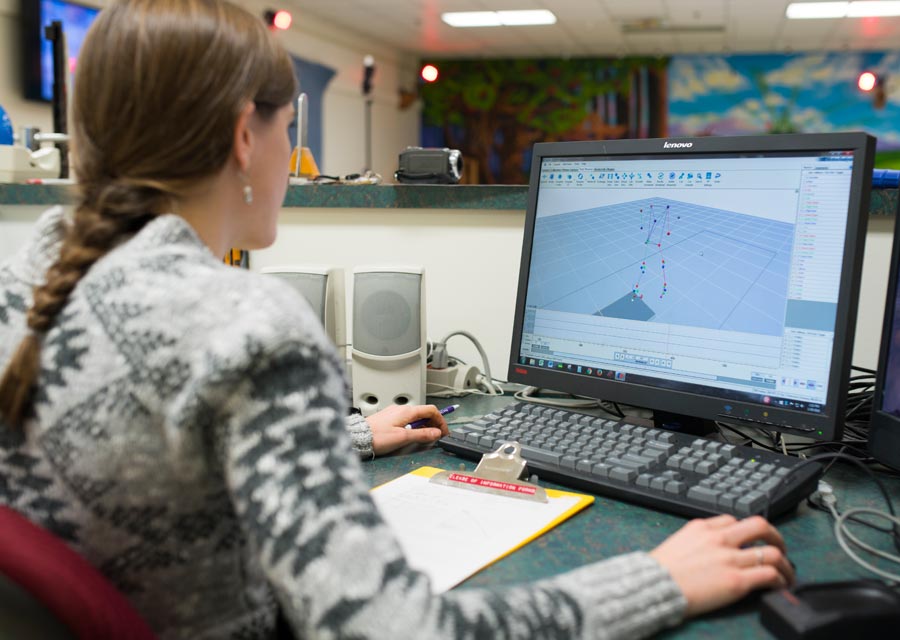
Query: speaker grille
[[387, 313], [311, 286]]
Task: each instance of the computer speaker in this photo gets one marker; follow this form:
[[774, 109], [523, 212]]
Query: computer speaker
[[389, 349], [323, 288]]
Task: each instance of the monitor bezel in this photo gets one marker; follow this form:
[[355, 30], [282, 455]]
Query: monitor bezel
[[827, 425], [884, 427]]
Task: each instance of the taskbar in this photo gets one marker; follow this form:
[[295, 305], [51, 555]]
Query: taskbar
[[653, 381]]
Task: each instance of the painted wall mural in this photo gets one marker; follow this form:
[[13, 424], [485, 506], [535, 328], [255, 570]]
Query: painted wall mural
[[493, 111], [796, 93]]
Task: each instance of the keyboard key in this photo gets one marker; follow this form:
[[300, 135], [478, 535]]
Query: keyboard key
[[703, 494], [540, 455], [623, 474], [601, 469], [750, 502], [676, 487]]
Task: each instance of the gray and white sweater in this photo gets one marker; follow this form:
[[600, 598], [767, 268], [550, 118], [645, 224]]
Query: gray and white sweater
[[190, 441]]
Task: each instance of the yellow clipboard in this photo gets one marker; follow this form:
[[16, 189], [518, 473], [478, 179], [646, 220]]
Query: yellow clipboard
[[453, 524]]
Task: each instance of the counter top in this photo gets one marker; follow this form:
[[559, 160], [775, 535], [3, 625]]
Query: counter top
[[389, 196]]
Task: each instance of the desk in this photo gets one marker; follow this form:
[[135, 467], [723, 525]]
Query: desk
[[610, 527]]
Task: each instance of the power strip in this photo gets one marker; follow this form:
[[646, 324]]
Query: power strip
[[460, 378]]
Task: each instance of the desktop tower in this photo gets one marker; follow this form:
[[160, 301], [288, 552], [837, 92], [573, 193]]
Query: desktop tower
[[323, 288], [389, 345]]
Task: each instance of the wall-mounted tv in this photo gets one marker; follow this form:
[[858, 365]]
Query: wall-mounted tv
[[37, 51]]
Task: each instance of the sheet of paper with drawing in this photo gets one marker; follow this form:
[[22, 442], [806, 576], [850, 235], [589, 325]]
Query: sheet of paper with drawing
[[451, 532]]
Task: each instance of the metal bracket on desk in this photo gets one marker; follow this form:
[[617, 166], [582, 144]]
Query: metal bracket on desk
[[499, 473]]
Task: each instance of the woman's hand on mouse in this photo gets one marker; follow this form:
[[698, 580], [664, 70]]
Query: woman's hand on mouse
[[712, 564], [389, 430]]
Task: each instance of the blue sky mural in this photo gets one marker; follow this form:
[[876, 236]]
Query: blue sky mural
[[808, 93]]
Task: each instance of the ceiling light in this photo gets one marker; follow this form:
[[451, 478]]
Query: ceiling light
[[857, 9], [498, 18], [812, 10], [525, 18], [873, 9]]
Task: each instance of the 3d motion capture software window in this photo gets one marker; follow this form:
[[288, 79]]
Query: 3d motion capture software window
[[714, 271]]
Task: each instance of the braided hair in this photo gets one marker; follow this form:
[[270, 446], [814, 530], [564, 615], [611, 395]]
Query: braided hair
[[159, 87]]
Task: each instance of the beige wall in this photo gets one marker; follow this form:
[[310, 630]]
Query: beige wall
[[343, 105]]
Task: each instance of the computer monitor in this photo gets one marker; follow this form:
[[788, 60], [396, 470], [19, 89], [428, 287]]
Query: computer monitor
[[884, 428], [37, 52], [702, 278]]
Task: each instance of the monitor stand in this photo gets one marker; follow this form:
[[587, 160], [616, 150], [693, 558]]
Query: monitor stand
[[682, 423]]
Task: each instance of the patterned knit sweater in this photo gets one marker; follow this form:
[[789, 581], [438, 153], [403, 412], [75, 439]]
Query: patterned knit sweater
[[190, 440]]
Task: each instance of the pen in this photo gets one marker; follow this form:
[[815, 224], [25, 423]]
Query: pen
[[418, 424]]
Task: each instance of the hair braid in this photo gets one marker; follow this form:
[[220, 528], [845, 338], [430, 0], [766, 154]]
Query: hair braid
[[118, 210]]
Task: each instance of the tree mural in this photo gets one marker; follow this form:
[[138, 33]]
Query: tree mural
[[495, 110]]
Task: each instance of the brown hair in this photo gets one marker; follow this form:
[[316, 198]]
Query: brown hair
[[158, 91]]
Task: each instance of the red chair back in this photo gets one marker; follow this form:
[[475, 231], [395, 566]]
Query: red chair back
[[65, 583]]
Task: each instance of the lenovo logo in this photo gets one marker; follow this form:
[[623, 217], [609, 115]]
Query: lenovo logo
[[521, 371], [677, 145]]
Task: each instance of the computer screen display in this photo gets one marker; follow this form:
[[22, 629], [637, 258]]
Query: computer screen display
[[76, 19], [710, 277]]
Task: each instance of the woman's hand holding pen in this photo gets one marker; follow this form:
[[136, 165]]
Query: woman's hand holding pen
[[389, 431]]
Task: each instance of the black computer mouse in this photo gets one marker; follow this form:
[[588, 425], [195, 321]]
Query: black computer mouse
[[853, 609]]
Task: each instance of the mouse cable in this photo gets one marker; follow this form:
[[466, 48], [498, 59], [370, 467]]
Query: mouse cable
[[845, 538], [815, 501], [853, 460], [528, 395]]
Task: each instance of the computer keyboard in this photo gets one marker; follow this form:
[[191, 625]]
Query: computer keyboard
[[665, 470]]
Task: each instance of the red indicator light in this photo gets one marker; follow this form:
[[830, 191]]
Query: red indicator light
[[429, 73]]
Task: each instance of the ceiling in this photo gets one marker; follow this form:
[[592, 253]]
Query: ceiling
[[599, 27]]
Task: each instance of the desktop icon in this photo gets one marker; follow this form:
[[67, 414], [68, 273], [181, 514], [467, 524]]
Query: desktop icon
[[588, 371], [540, 363], [620, 375], [550, 363]]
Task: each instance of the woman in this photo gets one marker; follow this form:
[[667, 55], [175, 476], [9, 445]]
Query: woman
[[181, 424]]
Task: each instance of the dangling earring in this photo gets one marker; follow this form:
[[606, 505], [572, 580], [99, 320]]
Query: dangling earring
[[248, 190]]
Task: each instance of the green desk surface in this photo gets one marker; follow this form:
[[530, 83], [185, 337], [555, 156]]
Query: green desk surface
[[610, 527]]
